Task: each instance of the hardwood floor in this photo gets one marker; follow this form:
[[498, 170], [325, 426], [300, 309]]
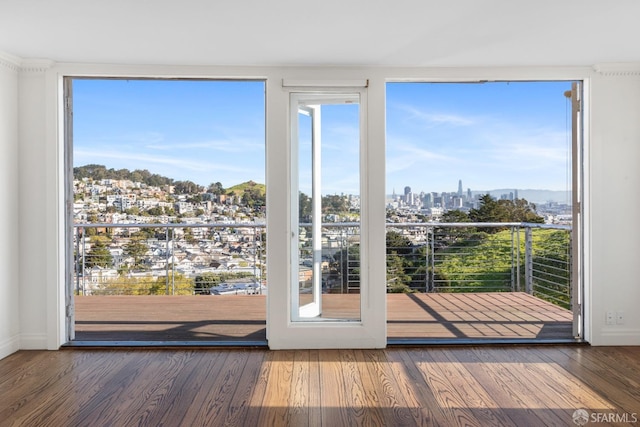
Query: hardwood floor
[[446, 386]]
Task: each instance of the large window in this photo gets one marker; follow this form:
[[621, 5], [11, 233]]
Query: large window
[[480, 210], [169, 201]]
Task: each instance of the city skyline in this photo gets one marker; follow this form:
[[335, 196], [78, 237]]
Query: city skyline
[[492, 136]]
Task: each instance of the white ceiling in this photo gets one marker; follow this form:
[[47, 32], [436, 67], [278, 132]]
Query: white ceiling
[[326, 32]]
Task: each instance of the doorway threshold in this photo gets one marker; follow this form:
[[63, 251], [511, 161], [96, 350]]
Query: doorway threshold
[[400, 342], [156, 344]]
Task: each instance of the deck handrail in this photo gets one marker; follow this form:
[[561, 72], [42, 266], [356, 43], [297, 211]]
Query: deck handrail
[[529, 270]]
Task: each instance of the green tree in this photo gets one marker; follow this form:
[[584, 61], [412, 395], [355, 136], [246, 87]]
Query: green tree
[[92, 217], [521, 210], [216, 188], [137, 249], [455, 216], [397, 278], [489, 211], [349, 267], [187, 187], [398, 244], [304, 208], [254, 198], [133, 211], [188, 236], [335, 204], [205, 281], [98, 255], [452, 234], [401, 259], [196, 198], [156, 211]]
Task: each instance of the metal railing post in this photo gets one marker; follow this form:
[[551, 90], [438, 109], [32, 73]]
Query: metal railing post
[[347, 262], [77, 259], [84, 266], [518, 260], [573, 294], [528, 260], [173, 266], [426, 262], [255, 253], [343, 265], [432, 270], [513, 270], [166, 255]]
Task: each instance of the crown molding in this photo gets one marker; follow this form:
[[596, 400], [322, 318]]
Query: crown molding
[[19, 65], [618, 69], [36, 65], [10, 62]]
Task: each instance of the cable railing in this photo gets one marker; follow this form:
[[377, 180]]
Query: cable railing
[[169, 259], [481, 257], [340, 258], [220, 259]]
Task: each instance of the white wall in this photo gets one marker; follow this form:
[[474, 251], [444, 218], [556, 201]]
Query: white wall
[[613, 179], [36, 177], [9, 243], [615, 203]]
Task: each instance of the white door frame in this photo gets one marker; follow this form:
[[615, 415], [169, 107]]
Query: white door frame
[[292, 330]]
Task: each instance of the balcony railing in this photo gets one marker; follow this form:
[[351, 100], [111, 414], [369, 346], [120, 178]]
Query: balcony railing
[[230, 258], [481, 257], [169, 259]]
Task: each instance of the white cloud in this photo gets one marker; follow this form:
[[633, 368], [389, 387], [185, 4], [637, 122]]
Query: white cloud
[[408, 155], [226, 146], [144, 160], [431, 119]]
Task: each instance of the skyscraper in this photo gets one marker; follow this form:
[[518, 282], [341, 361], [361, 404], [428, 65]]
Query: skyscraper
[[408, 196], [459, 188]]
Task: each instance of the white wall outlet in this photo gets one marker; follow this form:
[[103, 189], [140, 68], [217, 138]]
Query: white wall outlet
[[620, 318], [610, 318]]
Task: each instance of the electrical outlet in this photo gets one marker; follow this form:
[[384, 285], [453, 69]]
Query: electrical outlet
[[619, 318], [610, 318]]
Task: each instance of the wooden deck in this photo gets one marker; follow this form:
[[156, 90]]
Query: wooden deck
[[236, 318], [439, 386]]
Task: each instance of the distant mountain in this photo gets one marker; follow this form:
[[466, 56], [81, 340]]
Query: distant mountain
[[250, 194], [533, 196], [248, 186], [100, 172]]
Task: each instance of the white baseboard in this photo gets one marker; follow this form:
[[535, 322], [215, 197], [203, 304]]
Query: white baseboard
[[9, 346], [618, 338], [33, 342]]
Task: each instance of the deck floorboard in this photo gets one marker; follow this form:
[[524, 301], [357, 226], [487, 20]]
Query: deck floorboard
[[235, 318]]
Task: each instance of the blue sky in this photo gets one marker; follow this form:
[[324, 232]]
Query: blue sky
[[492, 135], [202, 131], [340, 150]]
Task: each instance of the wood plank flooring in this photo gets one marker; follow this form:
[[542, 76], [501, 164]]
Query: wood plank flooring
[[242, 317], [434, 386]]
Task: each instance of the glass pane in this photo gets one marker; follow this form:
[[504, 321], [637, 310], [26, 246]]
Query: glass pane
[[305, 269], [176, 168], [329, 209]]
